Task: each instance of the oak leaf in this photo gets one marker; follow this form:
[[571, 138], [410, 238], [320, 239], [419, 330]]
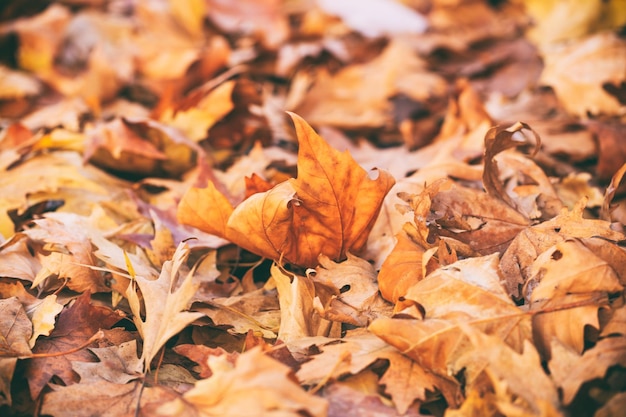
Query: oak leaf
[[75, 326], [166, 302]]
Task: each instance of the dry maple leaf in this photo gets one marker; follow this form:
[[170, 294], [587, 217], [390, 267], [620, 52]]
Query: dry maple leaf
[[166, 300], [255, 385], [328, 209]]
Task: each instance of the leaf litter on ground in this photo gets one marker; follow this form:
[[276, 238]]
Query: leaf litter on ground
[[308, 208]]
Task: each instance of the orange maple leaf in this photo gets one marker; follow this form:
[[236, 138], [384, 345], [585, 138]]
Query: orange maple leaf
[[328, 209]]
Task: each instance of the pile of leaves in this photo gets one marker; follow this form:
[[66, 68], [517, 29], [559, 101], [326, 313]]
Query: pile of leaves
[[447, 239]]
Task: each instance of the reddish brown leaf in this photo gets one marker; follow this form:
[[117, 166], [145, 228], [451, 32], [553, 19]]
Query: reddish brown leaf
[[75, 326]]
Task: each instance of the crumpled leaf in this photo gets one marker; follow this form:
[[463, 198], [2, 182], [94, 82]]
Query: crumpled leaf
[[116, 364], [166, 300], [298, 318], [102, 398], [255, 310], [484, 223], [354, 294], [255, 385]]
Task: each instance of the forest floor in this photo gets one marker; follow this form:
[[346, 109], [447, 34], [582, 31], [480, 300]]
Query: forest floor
[[312, 208]]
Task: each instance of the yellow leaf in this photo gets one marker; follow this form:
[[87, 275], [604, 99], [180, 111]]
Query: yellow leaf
[[205, 208], [43, 317]]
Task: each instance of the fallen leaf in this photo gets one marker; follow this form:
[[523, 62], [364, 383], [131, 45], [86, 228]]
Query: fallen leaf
[[166, 302], [550, 286], [116, 364], [43, 316], [329, 209], [255, 384], [102, 398], [518, 379], [75, 326], [583, 67], [401, 269], [571, 370], [15, 329], [256, 310], [354, 353], [298, 318]]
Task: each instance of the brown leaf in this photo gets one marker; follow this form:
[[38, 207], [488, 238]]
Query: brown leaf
[[358, 95], [566, 273], [101, 398], [605, 213], [355, 299], [533, 241], [499, 139], [571, 371], [475, 218], [518, 380], [356, 352], [580, 68], [256, 310], [75, 326], [254, 385], [117, 364], [15, 330]]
